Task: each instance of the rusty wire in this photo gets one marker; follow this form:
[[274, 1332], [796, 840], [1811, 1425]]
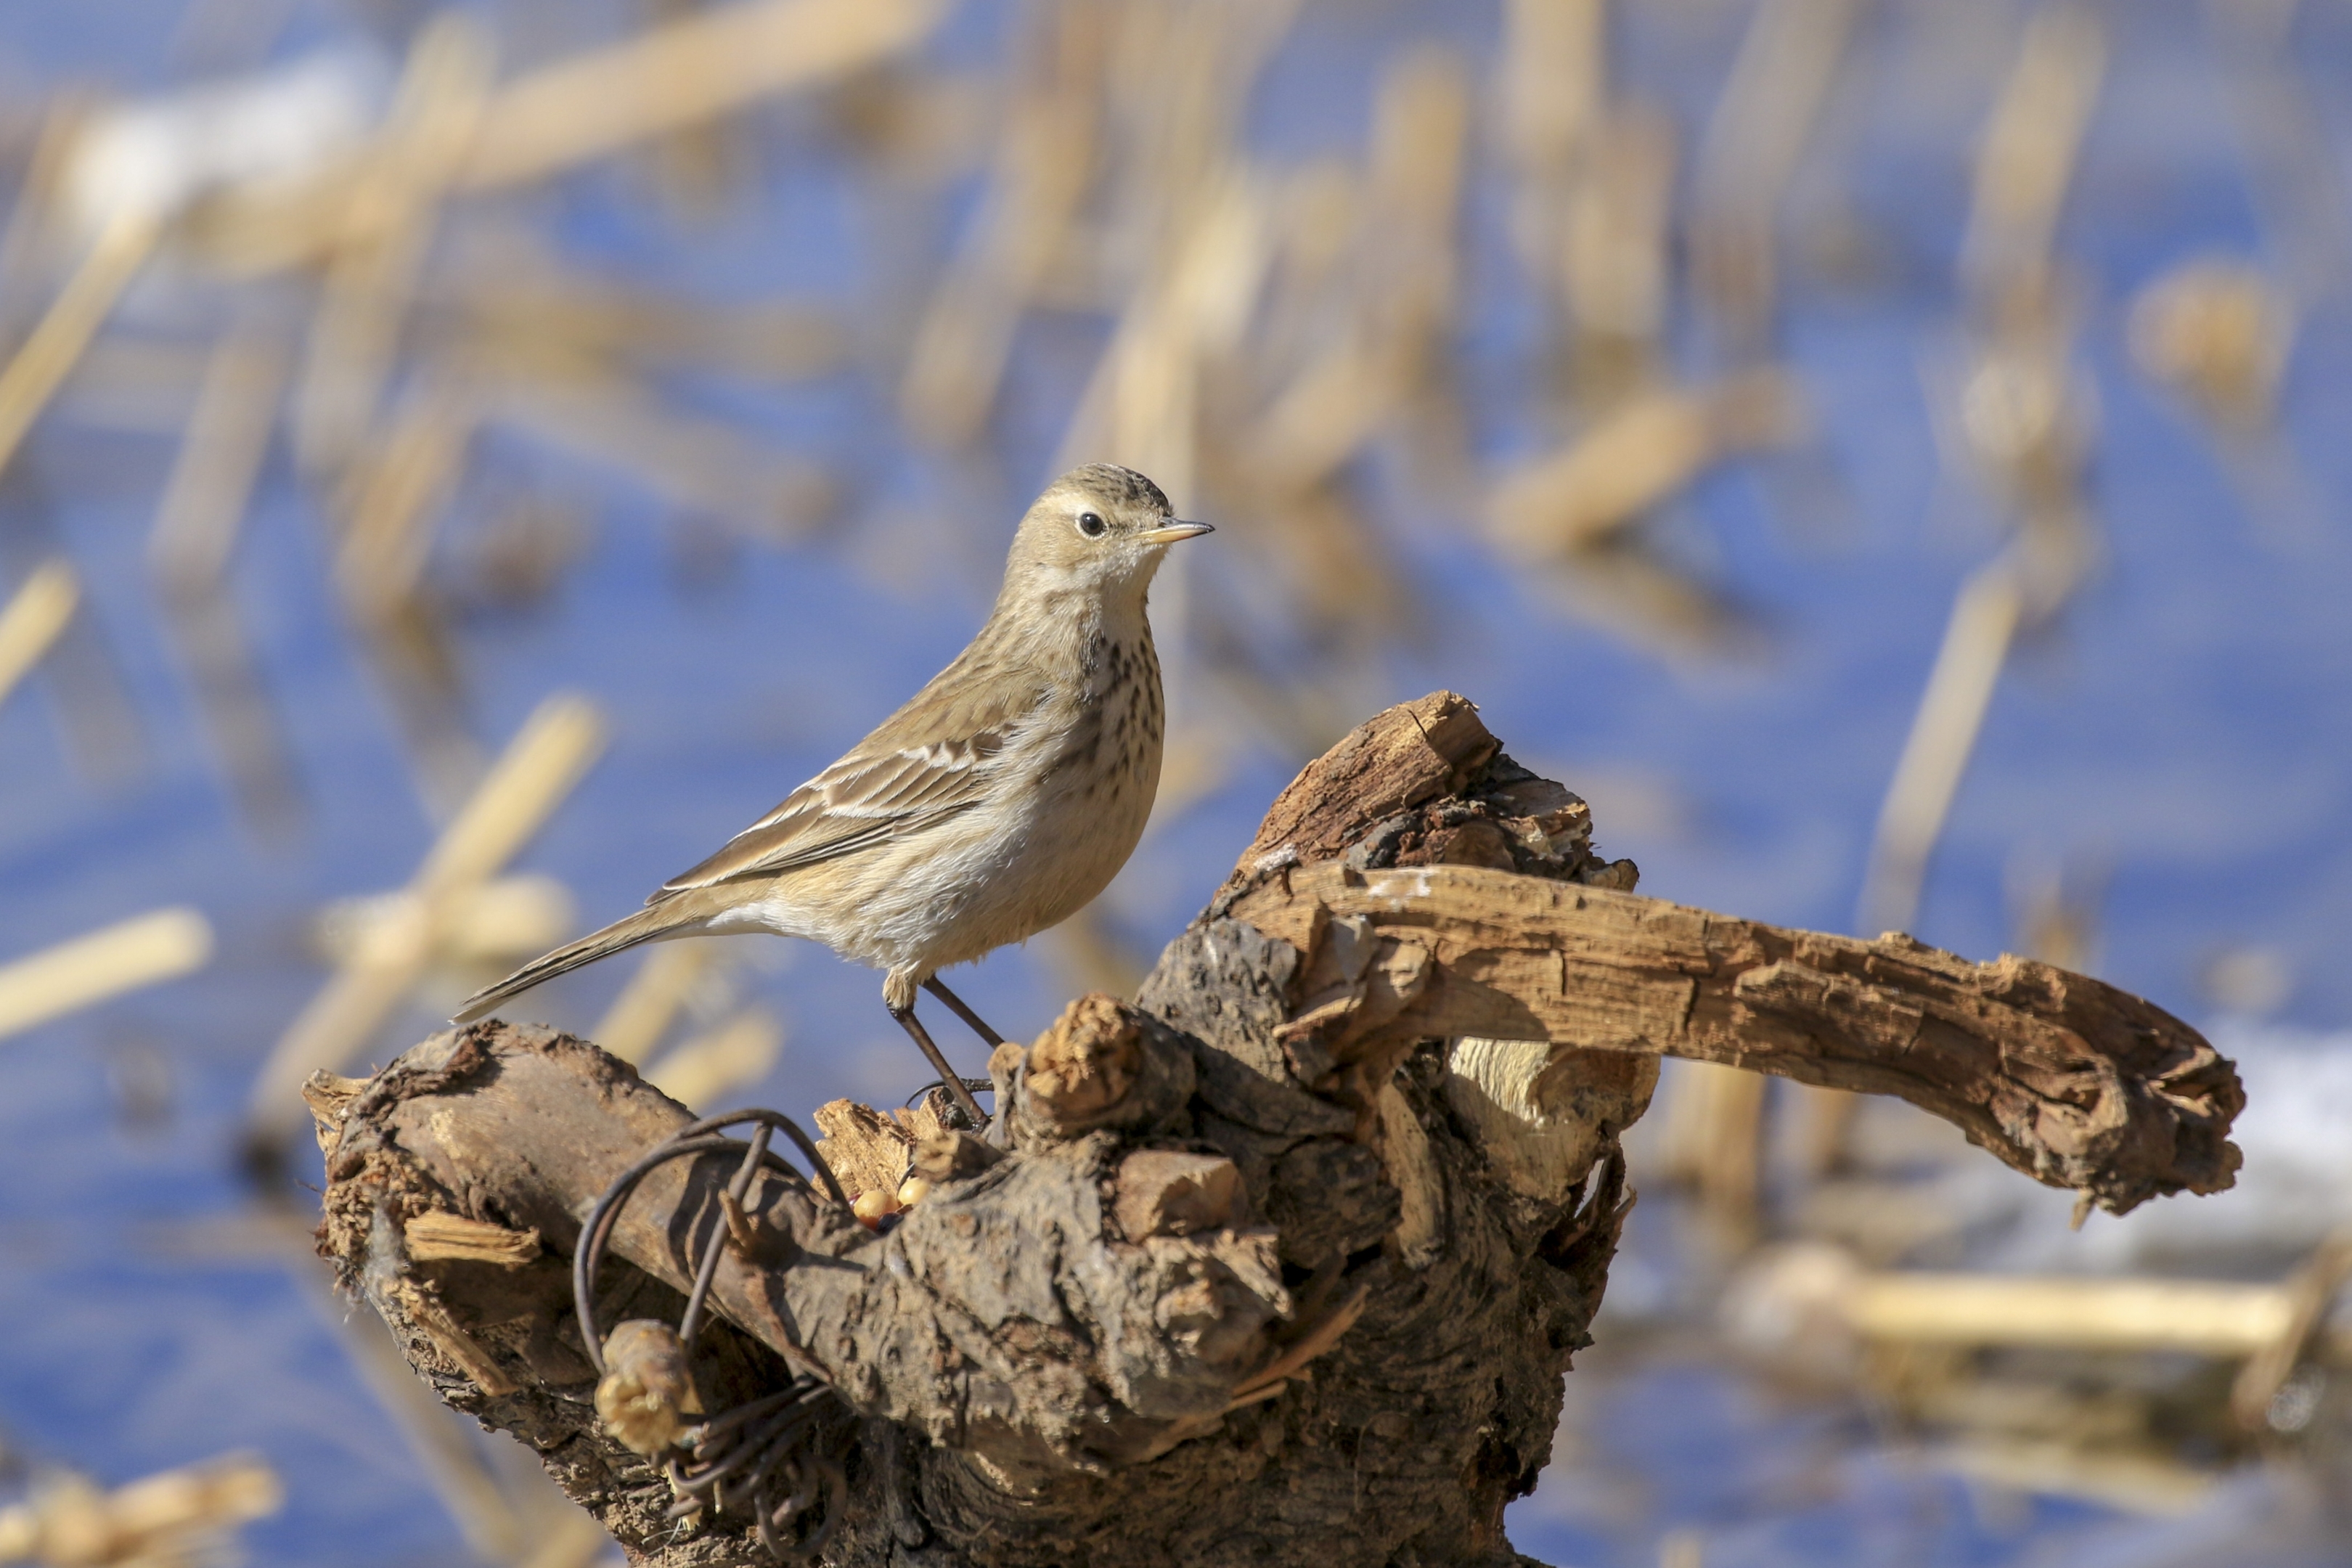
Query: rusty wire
[[795, 1437]]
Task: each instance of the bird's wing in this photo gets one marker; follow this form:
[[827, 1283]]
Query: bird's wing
[[928, 762]]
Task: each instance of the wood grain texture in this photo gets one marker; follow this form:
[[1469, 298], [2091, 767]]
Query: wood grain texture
[[2066, 1077], [1414, 752], [1281, 1263]]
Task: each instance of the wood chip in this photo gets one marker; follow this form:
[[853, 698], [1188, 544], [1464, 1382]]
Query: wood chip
[[435, 1235]]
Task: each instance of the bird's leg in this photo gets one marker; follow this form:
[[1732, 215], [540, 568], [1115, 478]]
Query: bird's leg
[[947, 1076], [956, 1006]]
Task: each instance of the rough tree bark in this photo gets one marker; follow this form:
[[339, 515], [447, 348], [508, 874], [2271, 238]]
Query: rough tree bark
[[1287, 1257]]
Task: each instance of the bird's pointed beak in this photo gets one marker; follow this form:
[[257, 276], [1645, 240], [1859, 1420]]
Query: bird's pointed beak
[[1169, 532]]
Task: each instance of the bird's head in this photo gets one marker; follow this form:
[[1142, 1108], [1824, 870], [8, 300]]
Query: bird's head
[[1101, 529]]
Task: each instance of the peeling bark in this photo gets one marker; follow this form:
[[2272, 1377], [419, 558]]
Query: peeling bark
[[1283, 1262]]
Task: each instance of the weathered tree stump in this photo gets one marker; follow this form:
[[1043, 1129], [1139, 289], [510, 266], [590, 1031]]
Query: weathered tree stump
[[1284, 1260]]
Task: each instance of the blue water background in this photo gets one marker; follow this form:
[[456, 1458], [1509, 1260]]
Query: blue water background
[[2186, 726]]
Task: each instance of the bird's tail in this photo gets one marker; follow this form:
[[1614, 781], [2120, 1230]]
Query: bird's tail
[[646, 925]]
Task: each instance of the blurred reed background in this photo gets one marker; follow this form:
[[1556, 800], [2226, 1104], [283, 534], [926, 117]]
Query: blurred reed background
[[457, 464]]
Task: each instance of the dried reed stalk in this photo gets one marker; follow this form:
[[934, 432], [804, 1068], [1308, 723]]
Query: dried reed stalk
[[1614, 255], [1089, 955], [1633, 459], [665, 979], [1400, 309], [211, 485], [1943, 735], [1045, 163], [2197, 1316], [510, 303], [196, 529], [2309, 1298], [2297, 185], [146, 950], [710, 1067], [1552, 92], [1714, 1139], [42, 363], [539, 768], [496, 922], [1786, 66], [2219, 333], [398, 491], [679, 75], [36, 616], [2027, 157], [2142, 1483], [33, 217], [596, 104], [2023, 423], [180, 1516], [695, 462], [383, 234], [238, 720]]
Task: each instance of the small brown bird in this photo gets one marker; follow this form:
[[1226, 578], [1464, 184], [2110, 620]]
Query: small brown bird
[[996, 803]]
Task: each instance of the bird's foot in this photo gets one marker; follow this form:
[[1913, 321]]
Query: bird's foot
[[958, 1091], [958, 1120]]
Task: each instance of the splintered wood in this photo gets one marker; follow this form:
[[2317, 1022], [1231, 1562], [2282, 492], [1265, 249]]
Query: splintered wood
[[437, 1238], [2074, 1082], [869, 1152], [1595, 970]]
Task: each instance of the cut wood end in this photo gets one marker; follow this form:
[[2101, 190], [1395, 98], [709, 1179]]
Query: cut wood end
[[865, 1149], [1397, 759], [435, 1236]]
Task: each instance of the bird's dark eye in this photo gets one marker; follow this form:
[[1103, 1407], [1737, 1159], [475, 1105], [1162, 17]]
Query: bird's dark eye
[[1091, 524]]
